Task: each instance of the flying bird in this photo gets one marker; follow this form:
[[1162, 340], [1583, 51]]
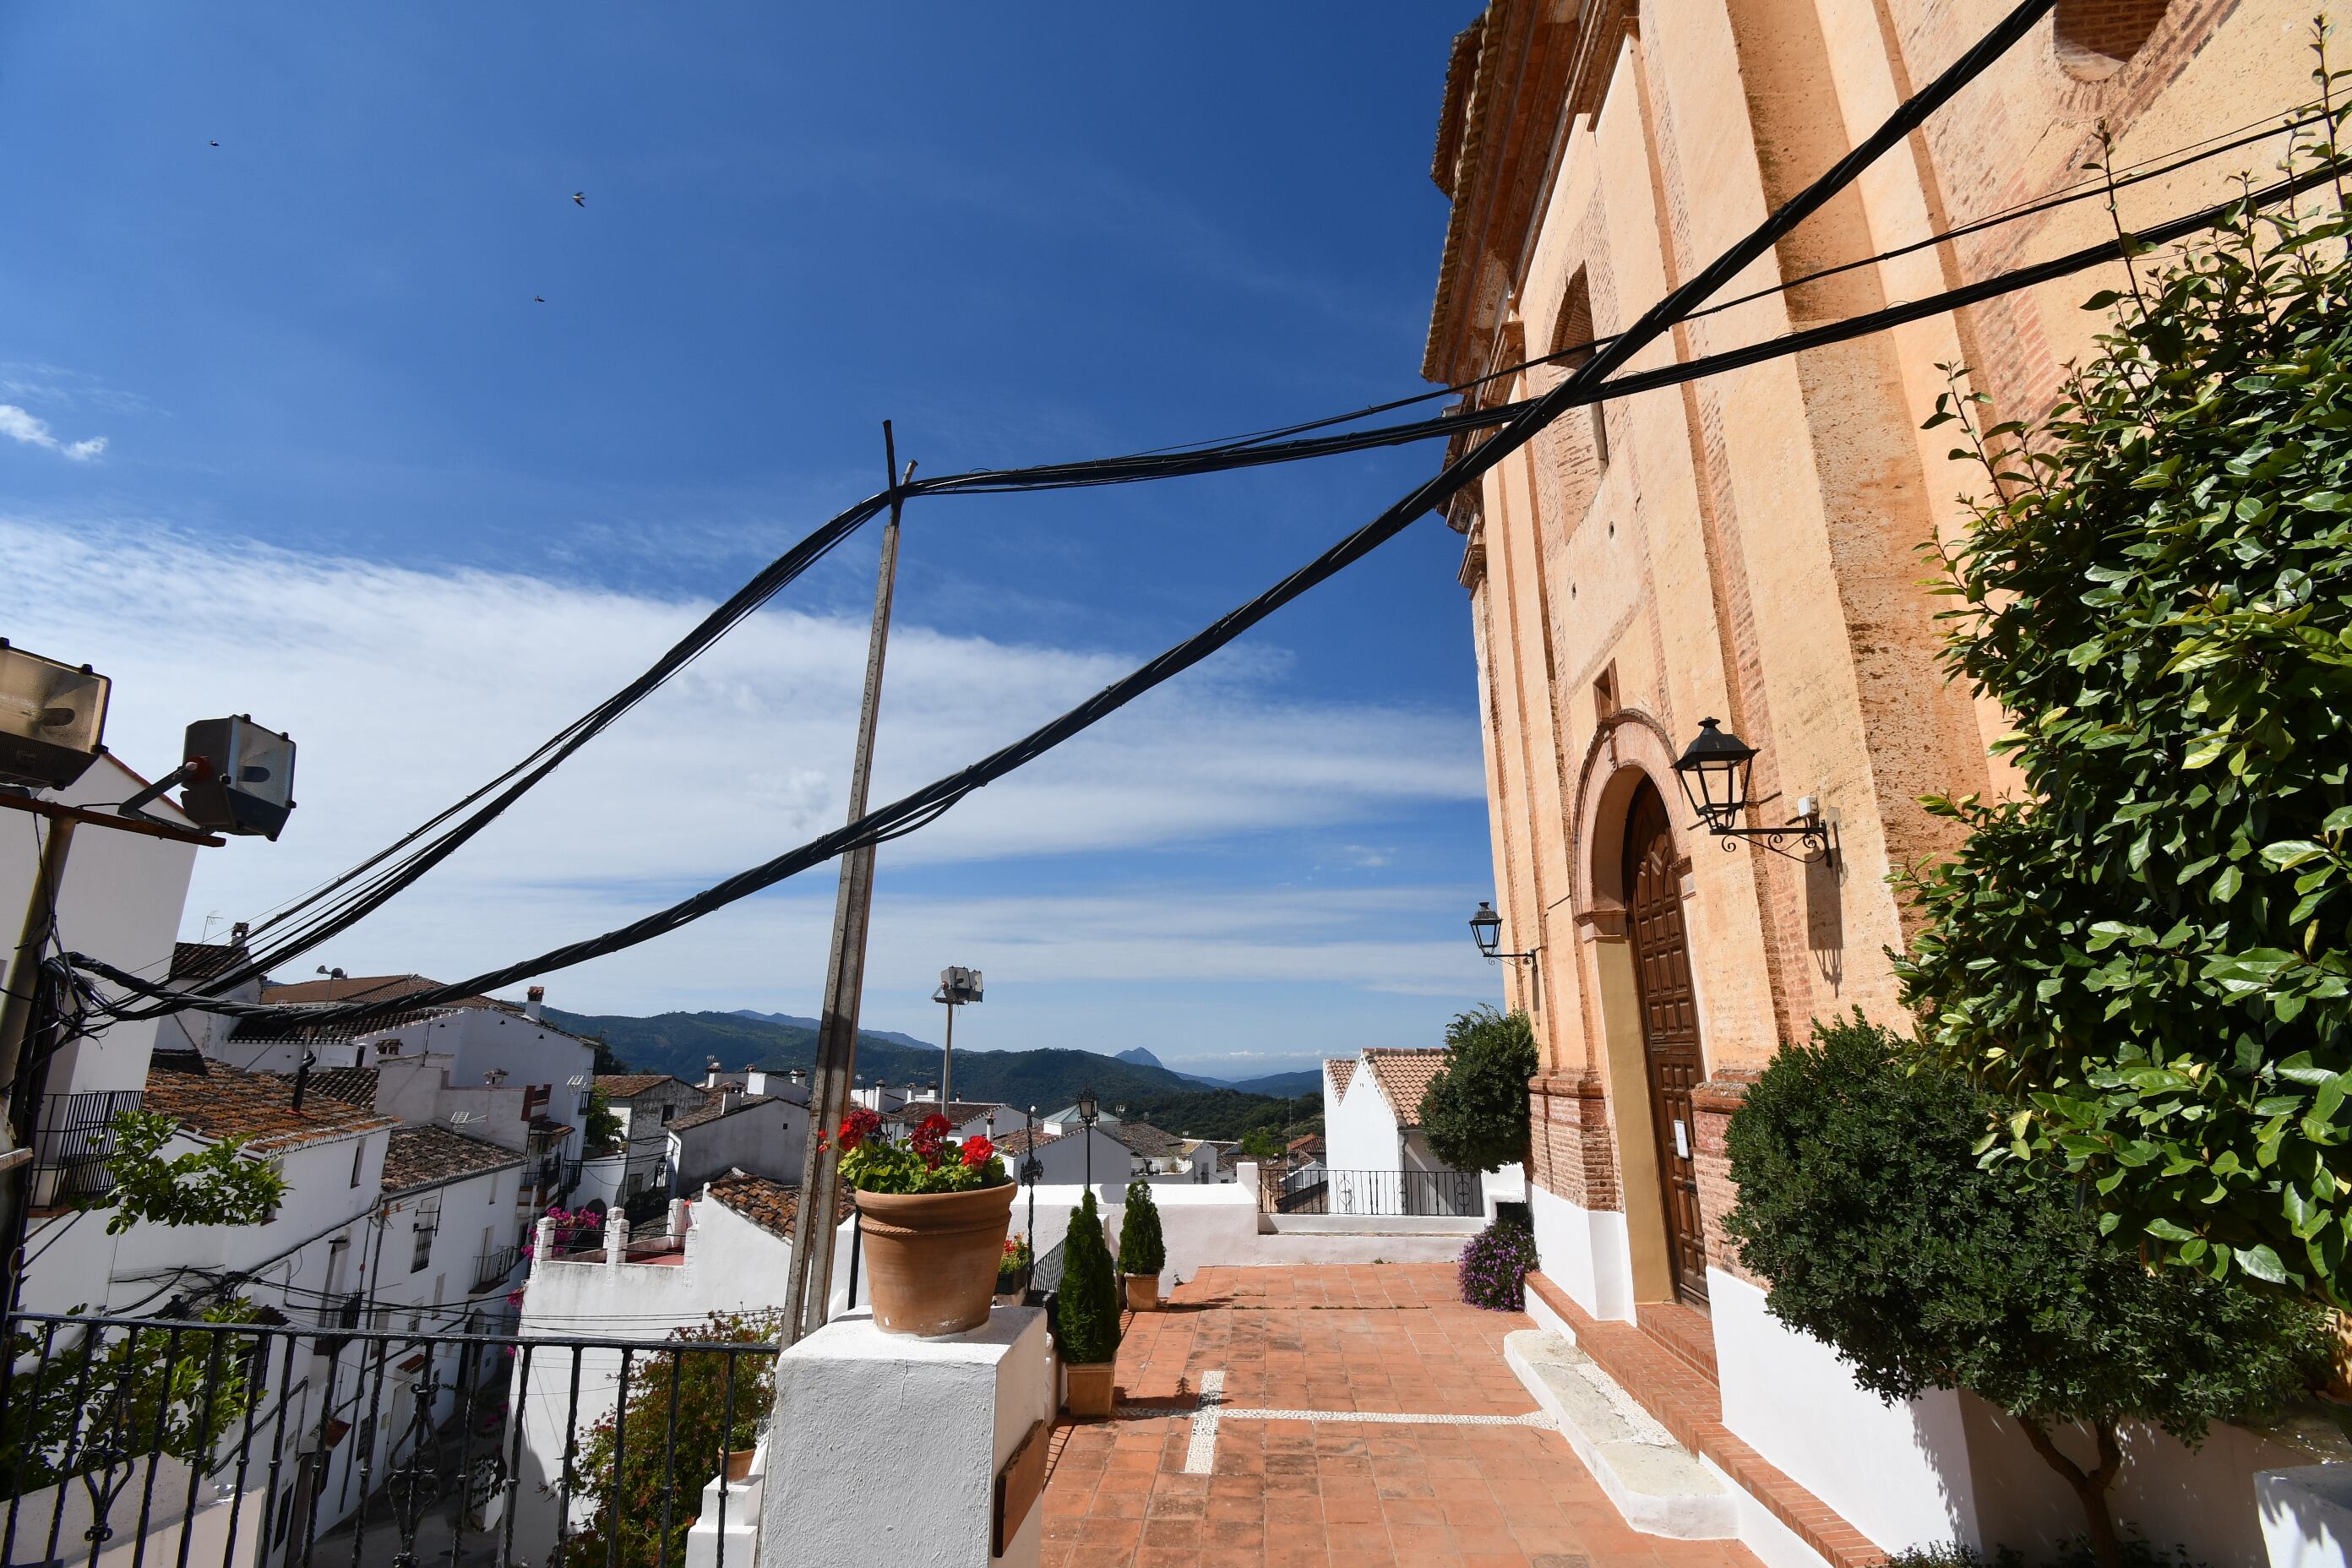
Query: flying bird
[[215, 143], [538, 298], [579, 198]]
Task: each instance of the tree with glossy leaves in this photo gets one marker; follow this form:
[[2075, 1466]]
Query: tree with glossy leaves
[[1475, 1112]]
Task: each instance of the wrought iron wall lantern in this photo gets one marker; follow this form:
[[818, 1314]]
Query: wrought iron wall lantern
[[1715, 771], [1486, 928]]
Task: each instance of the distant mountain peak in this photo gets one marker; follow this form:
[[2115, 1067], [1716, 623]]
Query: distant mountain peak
[[1141, 1058]]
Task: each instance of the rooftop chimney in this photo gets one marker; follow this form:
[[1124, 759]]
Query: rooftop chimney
[[237, 933], [534, 1001], [798, 1077]]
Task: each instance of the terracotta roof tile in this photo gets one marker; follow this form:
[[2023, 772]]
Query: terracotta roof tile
[[210, 1100], [1403, 1077], [427, 1156], [958, 1113], [716, 1107], [1146, 1140], [771, 1205], [628, 1085], [1339, 1075], [353, 1086], [1022, 1140], [201, 960]]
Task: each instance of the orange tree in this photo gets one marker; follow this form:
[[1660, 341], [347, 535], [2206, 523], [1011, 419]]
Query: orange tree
[[682, 1423], [2147, 956]]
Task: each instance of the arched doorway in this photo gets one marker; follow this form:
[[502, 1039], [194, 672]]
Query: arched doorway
[[1654, 904]]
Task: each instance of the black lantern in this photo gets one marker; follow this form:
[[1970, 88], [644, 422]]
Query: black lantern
[[1088, 1106], [1486, 930], [1715, 771]]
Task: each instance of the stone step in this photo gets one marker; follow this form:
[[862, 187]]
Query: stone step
[[1660, 1486]]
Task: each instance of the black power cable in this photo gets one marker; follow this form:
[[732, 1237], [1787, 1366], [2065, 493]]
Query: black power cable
[[1584, 384], [342, 907]]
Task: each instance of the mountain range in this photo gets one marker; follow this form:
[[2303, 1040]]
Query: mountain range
[[685, 1044]]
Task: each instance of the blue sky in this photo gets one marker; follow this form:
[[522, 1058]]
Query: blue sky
[[355, 480]]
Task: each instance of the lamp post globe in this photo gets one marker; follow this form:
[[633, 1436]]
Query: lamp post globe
[[1714, 773], [1486, 928]]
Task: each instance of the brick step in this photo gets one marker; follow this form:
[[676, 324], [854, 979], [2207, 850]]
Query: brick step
[[1686, 1331], [1684, 1400]]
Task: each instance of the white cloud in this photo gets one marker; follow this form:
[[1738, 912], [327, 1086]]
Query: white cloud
[[404, 689], [16, 423]]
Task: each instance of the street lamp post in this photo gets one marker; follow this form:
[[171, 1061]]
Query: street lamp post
[[1087, 1110], [957, 986]]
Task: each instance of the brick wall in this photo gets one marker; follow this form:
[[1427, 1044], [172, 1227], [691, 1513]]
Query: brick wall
[[1572, 1155], [1712, 1105]]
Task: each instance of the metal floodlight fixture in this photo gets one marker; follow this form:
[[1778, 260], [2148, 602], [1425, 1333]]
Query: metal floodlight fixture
[[52, 719], [1715, 772], [240, 776], [957, 986]]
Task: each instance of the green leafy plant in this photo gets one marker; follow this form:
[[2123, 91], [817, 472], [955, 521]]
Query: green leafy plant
[[1085, 1308], [1494, 1269], [213, 1186], [1262, 1143], [1013, 1268], [154, 1391], [926, 1160], [604, 1133], [1475, 1112], [2147, 956], [1140, 1248], [1882, 1234], [680, 1431]]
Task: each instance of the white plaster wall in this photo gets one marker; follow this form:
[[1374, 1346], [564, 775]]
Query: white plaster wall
[[122, 901], [1586, 1251], [1217, 1226], [1359, 1133], [888, 1446], [1898, 1473], [766, 1140]]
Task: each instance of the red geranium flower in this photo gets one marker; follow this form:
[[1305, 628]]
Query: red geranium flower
[[856, 1127], [978, 1150]]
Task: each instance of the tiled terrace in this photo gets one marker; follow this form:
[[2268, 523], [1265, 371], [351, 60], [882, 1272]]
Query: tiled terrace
[[1473, 1487]]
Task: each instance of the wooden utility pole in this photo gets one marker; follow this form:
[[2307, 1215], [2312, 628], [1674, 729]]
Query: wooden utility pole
[[810, 1294]]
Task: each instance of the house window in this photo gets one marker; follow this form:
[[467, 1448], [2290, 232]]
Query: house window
[[1604, 691], [667, 1111], [534, 1099], [358, 1158], [421, 1255]]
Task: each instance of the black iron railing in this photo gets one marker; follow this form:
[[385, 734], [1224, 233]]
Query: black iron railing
[[1453, 1194], [72, 1145], [204, 1443], [495, 1267]]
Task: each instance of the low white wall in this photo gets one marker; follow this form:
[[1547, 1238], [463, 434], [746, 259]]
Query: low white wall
[[1403, 1224], [1217, 1226], [1585, 1252], [1898, 1473], [2307, 1515]]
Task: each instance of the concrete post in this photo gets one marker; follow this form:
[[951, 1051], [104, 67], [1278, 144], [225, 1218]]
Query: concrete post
[[616, 1238]]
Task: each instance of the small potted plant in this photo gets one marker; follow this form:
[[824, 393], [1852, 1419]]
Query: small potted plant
[[1086, 1316], [1013, 1269], [931, 1212], [1142, 1252]]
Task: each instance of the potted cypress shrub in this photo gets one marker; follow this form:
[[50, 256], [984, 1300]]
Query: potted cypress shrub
[[932, 1213], [1086, 1316], [1142, 1252]]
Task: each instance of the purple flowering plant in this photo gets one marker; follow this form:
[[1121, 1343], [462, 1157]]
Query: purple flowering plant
[[1494, 1271]]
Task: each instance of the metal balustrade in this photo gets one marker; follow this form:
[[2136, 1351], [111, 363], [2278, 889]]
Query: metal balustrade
[[494, 1267], [72, 1144], [277, 1446], [1455, 1195]]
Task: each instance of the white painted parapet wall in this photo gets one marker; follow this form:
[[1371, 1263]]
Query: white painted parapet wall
[[888, 1446]]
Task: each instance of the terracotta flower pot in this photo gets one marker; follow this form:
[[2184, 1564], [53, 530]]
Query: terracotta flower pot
[[931, 1258], [1090, 1390], [1143, 1292]]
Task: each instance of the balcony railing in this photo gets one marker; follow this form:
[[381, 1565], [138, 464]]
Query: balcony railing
[[1453, 1194], [495, 1267], [203, 1443], [72, 1145]]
